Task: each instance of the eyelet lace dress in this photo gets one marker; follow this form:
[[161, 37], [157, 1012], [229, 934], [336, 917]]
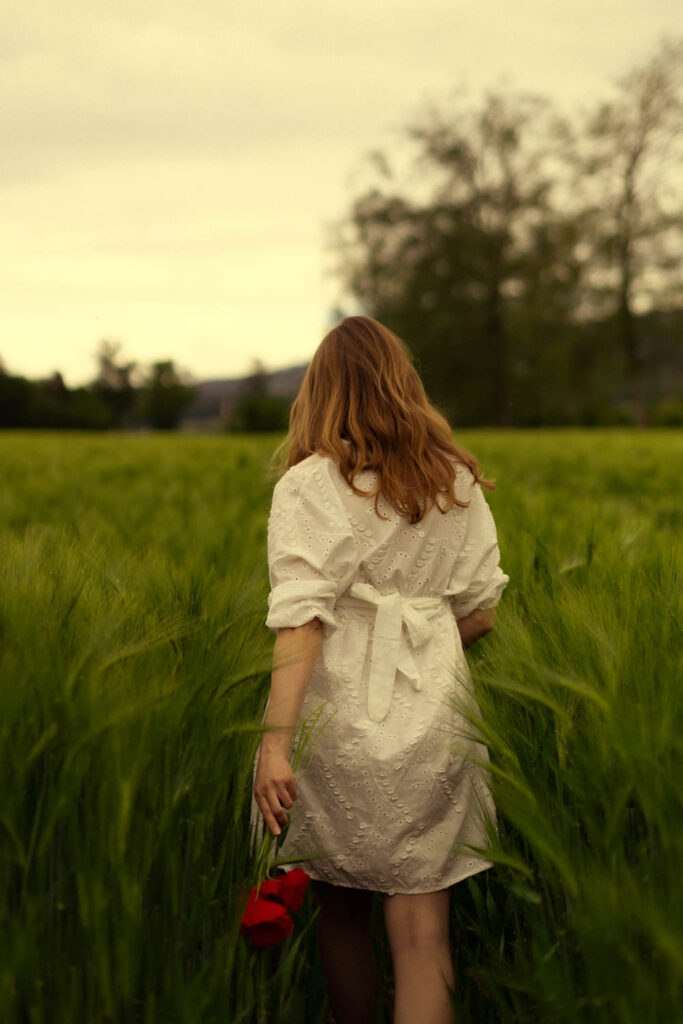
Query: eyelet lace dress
[[390, 797]]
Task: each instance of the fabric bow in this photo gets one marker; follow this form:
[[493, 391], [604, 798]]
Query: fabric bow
[[393, 647]]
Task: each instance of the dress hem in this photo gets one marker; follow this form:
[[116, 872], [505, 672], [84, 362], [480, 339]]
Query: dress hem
[[394, 892]]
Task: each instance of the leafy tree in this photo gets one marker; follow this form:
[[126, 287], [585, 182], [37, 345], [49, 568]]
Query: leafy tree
[[15, 400], [49, 404], [114, 399], [115, 384], [476, 265], [164, 395], [256, 409], [54, 405], [627, 159]]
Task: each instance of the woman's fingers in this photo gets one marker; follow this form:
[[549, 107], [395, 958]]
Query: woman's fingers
[[272, 801], [274, 789], [268, 815], [284, 795], [291, 788]]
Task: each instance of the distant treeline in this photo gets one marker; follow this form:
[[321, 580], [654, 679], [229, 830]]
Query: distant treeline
[[121, 396], [125, 396]]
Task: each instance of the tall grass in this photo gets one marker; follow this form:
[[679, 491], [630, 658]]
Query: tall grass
[[134, 666], [580, 699]]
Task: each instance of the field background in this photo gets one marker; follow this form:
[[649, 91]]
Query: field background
[[134, 665]]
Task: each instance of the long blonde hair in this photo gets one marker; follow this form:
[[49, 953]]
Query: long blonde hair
[[362, 403]]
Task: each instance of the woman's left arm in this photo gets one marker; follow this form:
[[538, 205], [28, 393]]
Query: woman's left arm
[[294, 655]]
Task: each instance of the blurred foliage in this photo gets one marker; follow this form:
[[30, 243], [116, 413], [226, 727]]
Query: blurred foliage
[[114, 384], [255, 409], [122, 395], [163, 397], [533, 264]]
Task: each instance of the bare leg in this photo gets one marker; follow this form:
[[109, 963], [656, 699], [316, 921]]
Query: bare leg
[[347, 952], [417, 929]]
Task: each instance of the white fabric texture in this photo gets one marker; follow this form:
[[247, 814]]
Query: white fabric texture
[[389, 799]]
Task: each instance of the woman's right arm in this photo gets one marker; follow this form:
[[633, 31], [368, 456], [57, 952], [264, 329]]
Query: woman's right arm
[[475, 625], [294, 655]]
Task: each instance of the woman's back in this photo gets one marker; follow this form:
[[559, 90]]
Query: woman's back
[[420, 559], [447, 554]]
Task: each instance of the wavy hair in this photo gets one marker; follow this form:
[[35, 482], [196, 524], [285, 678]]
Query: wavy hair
[[362, 403]]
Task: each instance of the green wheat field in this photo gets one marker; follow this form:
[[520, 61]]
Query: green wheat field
[[134, 668]]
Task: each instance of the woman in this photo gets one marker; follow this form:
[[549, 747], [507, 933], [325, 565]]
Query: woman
[[383, 562]]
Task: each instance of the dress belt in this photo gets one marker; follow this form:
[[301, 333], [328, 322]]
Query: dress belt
[[392, 647]]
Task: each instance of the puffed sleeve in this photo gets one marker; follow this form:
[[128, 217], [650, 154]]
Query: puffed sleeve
[[477, 580], [312, 549]]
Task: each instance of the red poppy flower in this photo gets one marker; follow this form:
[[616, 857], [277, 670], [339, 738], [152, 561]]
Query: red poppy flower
[[292, 888], [264, 921], [270, 889]]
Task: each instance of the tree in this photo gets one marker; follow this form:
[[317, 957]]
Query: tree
[[16, 399], [478, 270], [255, 408], [164, 395], [114, 383], [627, 160]]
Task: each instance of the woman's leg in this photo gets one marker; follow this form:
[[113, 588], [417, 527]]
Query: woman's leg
[[347, 952], [418, 932]]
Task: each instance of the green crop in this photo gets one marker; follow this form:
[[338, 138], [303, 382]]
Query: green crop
[[134, 668]]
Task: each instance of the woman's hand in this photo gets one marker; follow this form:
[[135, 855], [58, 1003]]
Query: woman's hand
[[274, 788], [475, 625]]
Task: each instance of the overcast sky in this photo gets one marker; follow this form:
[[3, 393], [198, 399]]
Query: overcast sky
[[168, 169]]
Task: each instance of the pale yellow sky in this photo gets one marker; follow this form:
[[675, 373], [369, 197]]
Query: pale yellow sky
[[168, 168]]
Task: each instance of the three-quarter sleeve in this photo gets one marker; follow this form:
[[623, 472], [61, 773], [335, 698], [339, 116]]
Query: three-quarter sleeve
[[312, 550], [477, 580]]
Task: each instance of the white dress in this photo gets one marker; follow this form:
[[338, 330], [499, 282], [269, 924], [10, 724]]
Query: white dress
[[388, 799]]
